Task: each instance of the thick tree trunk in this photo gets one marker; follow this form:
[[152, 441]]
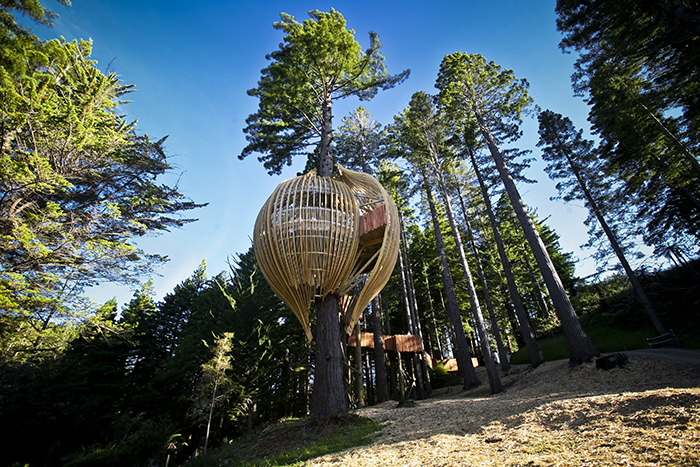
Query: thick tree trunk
[[526, 332], [502, 354], [379, 360], [460, 346], [581, 348], [325, 168], [328, 397]]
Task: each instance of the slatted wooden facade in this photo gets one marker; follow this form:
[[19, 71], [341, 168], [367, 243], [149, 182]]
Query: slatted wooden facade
[[317, 236]]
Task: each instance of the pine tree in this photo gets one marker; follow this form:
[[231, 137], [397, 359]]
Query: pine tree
[[495, 100], [571, 159], [319, 62]]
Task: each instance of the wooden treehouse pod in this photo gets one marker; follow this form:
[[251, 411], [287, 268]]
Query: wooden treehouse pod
[[317, 236]]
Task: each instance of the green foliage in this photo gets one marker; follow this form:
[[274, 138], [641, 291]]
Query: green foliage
[[441, 378], [78, 187], [17, 44], [674, 293], [471, 86], [71, 401], [152, 366], [607, 339], [360, 142], [614, 320], [638, 70], [146, 446], [527, 276], [319, 62], [290, 443]]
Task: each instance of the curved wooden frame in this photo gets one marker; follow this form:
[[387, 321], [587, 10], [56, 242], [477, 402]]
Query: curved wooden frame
[[374, 273], [307, 242]]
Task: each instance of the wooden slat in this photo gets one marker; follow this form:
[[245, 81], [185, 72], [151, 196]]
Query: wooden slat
[[372, 220]]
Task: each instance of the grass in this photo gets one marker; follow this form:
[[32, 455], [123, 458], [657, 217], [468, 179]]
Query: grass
[[605, 338], [290, 443]]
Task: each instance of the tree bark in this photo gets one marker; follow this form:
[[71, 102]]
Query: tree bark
[[503, 355], [681, 147], [460, 345], [328, 397], [359, 389], [379, 360], [526, 332], [432, 316], [325, 168], [407, 306], [415, 318], [581, 348], [636, 285], [543, 311], [491, 371]]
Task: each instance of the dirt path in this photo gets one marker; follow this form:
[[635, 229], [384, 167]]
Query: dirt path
[[691, 356], [645, 414]]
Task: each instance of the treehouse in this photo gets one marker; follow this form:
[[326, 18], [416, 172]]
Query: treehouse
[[317, 236]]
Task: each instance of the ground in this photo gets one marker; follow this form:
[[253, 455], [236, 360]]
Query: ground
[[647, 413]]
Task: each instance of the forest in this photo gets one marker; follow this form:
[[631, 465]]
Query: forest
[[480, 280]]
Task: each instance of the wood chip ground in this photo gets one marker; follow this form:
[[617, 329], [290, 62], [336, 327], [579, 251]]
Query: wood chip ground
[[646, 414]]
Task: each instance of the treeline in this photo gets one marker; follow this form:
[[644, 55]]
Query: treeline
[[211, 360]]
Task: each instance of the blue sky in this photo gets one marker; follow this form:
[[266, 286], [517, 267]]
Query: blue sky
[[192, 63]]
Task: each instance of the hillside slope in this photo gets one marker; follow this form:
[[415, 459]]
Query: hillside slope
[[647, 413]]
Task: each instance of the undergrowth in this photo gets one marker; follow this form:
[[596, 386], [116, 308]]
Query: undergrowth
[[290, 443]]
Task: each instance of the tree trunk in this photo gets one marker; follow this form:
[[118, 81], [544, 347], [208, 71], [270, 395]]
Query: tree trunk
[[328, 397], [544, 312], [503, 355], [211, 413], [432, 316], [526, 332], [460, 345], [359, 389], [636, 286], [581, 348], [368, 379], [380, 362], [325, 168], [407, 306], [681, 147], [424, 376], [491, 371], [402, 377]]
